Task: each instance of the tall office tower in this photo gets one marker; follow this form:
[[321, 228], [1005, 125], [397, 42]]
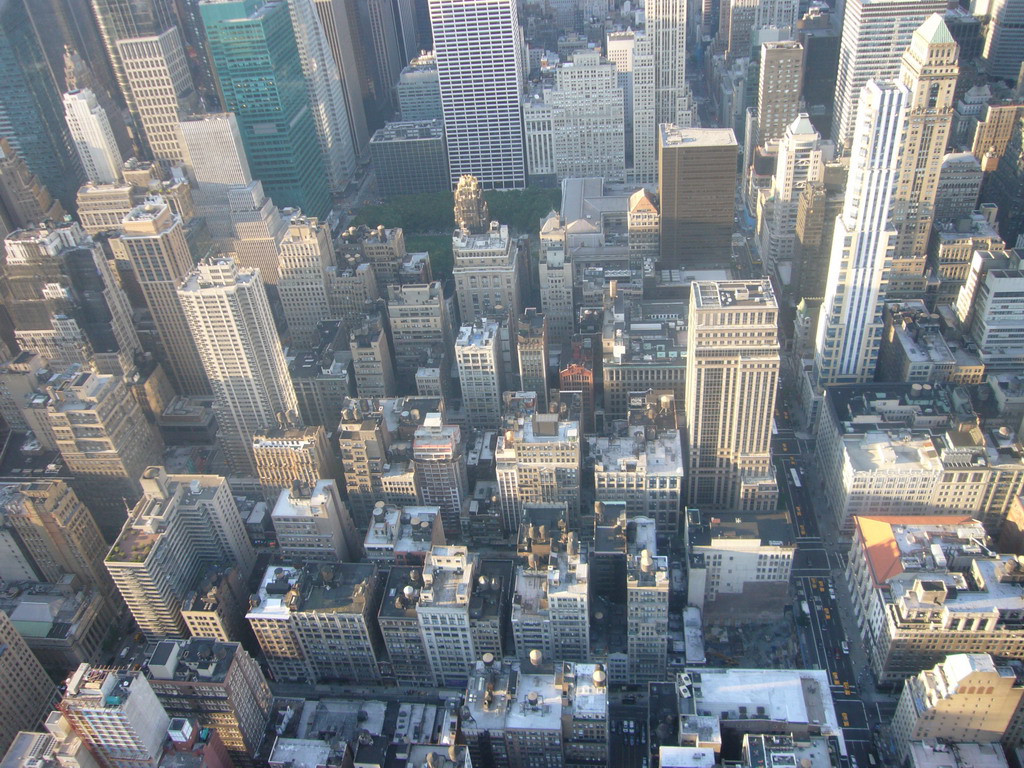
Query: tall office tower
[[259, 229], [1004, 40], [57, 531], [929, 71], [215, 161], [384, 248], [732, 373], [320, 623], [471, 211], [24, 201], [92, 137], [64, 300], [850, 322], [410, 158], [553, 615], [439, 461], [326, 97], [487, 271], [555, 273], [31, 114], [401, 629], [876, 34], [666, 27], [257, 61], [532, 348], [104, 440], [584, 708], [161, 91], [778, 91], [379, 21], [800, 159], [230, 695], [478, 355], [117, 715], [956, 196], [820, 204], [313, 525], [288, 455], [306, 255], [1006, 188], [28, 692], [181, 526], [538, 461], [697, 183], [122, 19], [577, 129], [736, 28], [479, 50], [153, 241], [645, 124], [364, 439], [94, 75], [371, 357], [229, 315], [577, 375], [337, 17], [449, 576], [419, 93], [647, 590], [819, 33], [419, 318], [620, 48]]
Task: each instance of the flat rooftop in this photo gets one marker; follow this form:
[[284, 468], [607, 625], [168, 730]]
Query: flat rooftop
[[673, 136], [733, 294], [537, 705]]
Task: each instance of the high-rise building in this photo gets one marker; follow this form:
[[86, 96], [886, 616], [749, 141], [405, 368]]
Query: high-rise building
[[287, 455], [471, 210], [552, 614], [24, 201], [217, 683], [488, 271], [666, 27], [182, 525], [819, 32], [732, 374], [259, 229], [1004, 42], [161, 90], [92, 136], [371, 357], [850, 324], [779, 88], [313, 525], [577, 129], [966, 698], [56, 530], [439, 461], [449, 579], [256, 57], [229, 316], [153, 242], [820, 204], [645, 124], [28, 692], [326, 97], [215, 160], [320, 622], [647, 591], [400, 627], [876, 33], [478, 355], [532, 348], [31, 114], [337, 17], [479, 51], [117, 715], [410, 158], [419, 92], [306, 255], [419, 318], [929, 71], [697, 184], [104, 440], [956, 196]]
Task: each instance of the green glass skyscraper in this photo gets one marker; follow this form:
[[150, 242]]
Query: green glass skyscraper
[[257, 64]]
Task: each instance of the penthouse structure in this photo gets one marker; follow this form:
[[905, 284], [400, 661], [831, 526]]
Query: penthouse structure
[[926, 587], [403, 535], [181, 525], [320, 623]]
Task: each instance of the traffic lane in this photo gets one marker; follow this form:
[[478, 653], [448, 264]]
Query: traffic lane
[[627, 740]]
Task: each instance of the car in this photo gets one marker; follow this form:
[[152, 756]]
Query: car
[[846, 647]]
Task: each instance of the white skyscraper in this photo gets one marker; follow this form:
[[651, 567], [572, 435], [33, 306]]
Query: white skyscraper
[[228, 312], [330, 114], [666, 26], [479, 358], [93, 138], [479, 50], [215, 161], [875, 35], [850, 324], [645, 123]]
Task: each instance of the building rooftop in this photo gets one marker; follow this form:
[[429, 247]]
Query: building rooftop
[[401, 593], [193, 659], [43, 610], [491, 693], [893, 451], [480, 334], [637, 452], [931, 754], [769, 528], [537, 705], [300, 753], [588, 694], [674, 136], [733, 294], [447, 577]]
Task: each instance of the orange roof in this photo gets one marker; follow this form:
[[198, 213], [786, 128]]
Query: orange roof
[[880, 547]]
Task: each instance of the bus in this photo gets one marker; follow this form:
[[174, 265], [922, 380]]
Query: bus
[[775, 428], [795, 476]]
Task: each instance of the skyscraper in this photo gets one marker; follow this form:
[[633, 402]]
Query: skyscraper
[[697, 182], [229, 316], [439, 460], [306, 255], [666, 27], [850, 324], [153, 241], [323, 84], [31, 115], [779, 87], [876, 33], [929, 71], [157, 72], [216, 163], [732, 373], [337, 19], [532, 348], [478, 45], [478, 353], [1004, 40], [26, 691], [92, 136], [254, 49]]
